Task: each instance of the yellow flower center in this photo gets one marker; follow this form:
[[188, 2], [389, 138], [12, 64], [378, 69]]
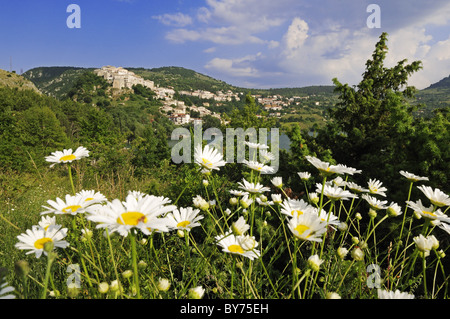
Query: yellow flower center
[[71, 209], [70, 157], [235, 249], [206, 163], [39, 244], [88, 199], [183, 224], [299, 212], [301, 229], [131, 218], [428, 213]]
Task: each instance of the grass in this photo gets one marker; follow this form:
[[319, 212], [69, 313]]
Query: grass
[[367, 250]]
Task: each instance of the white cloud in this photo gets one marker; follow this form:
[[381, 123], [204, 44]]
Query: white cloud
[[177, 20], [240, 67]]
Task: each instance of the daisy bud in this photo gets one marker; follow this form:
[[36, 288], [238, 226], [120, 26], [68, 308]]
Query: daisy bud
[[233, 201], [394, 210], [358, 216], [163, 284], [313, 198], [434, 241], [277, 182], [127, 274], [48, 246], [355, 240], [180, 233], [314, 262], [228, 212], [86, 234], [276, 198], [205, 182], [441, 253], [143, 241], [342, 252], [333, 295], [372, 213], [342, 226], [357, 254], [103, 287], [142, 264], [263, 198], [196, 293], [114, 286]]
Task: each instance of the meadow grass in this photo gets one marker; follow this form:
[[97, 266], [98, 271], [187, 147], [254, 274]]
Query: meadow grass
[[357, 249]]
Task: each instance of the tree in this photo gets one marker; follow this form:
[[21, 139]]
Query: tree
[[372, 124], [246, 117]]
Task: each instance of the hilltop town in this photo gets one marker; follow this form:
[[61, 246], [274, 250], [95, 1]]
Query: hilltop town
[[178, 112]]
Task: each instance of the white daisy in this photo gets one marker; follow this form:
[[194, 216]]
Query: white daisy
[[92, 197], [304, 176], [376, 188], [394, 210], [5, 290], [324, 167], [230, 244], [413, 178], [208, 157], [276, 198], [245, 201], [238, 193], [349, 170], [375, 203], [240, 226], [334, 192], [184, 218], [200, 202], [436, 196], [307, 226], [295, 207], [397, 294], [266, 156], [67, 156], [137, 194], [277, 181], [356, 188], [46, 221], [445, 227], [326, 217], [259, 167], [35, 238], [71, 206], [252, 187], [427, 212], [143, 214], [424, 244]]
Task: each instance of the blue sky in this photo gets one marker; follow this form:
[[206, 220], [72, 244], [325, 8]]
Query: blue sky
[[248, 43]]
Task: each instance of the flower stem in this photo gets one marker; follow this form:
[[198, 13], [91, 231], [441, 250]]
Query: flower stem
[[134, 260], [71, 178]]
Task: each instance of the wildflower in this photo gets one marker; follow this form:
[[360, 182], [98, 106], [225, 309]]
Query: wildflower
[[266, 156], [412, 177], [205, 182], [394, 210], [230, 244], [304, 176], [238, 193], [356, 188], [348, 170], [208, 158], [142, 214], [342, 252], [277, 182], [163, 284], [436, 196], [374, 203], [127, 273], [262, 200], [72, 205], [35, 239], [397, 294], [339, 181], [5, 290], [67, 156], [427, 212], [46, 221], [445, 227], [103, 287], [276, 198], [424, 244], [314, 262], [357, 254], [196, 293], [247, 242], [200, 202], [137, 194], [295, 207], [252, 187], [376, 188], [233, 201], [184, 218], [307, 226], [313, 198], [326, 217], [86, 234], [333, 295], [245, 201], [324, 167], [259, 167], [335, 193], [92, 197]]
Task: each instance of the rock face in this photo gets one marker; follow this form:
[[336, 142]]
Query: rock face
[[13, 80], [122, 78]]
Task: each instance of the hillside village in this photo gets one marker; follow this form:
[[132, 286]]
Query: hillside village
[[177, 111]]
